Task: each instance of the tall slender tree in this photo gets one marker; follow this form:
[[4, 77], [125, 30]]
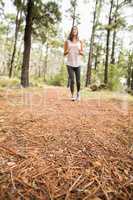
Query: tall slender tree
[[90, 58], [132, 79], [114, 34], [108, 42], [130, 71], [74, 6], [73, 12], [19, 5], [46, 60], [117, 22]]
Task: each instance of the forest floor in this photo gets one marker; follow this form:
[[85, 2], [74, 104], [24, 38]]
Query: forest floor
[[54, 149]]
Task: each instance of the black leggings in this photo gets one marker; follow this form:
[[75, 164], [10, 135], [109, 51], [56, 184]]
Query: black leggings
[[71, 71]]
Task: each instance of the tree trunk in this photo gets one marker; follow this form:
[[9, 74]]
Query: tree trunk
[[113, 48], [132, 79], [74, 17], [27, 45], [107, 45], [19, 54], [18, 23], [97, 55], [46, 61], [96, 62], [39, 69], [90, 59], [129, 72], [73, 11], [129, 76], [15, 44], [114, 37]]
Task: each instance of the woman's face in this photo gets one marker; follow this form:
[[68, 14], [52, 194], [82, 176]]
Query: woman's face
[[75, 31]]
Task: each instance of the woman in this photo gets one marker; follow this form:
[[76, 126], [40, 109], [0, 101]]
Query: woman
[[73, 48]]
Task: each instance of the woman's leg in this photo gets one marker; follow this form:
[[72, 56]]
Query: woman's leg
[[68, 82], [77, 73], [71, 78]]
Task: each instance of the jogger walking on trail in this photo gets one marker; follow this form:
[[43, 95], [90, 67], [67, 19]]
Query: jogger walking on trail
[[73, 48]]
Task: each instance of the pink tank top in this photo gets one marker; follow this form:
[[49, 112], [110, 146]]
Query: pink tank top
[[73, 57]]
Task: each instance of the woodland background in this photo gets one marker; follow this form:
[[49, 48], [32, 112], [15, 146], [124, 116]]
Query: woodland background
[[32, 36]]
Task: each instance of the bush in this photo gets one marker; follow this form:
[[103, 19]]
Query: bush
[[36, 81], [6, 82], [59, 79], [115, 74]]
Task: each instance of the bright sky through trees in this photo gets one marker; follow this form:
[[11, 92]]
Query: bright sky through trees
[[85, 11]]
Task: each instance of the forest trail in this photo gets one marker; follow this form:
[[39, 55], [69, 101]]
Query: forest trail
[[53, 148]]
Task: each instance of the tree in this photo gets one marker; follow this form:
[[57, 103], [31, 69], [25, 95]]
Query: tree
[[114, 34], [20, 6], [97, 55], [132, 79], [117, 23], [94, 26], [38, 14], [73, 12], [130, 71], [46, 36], [108, 28], [7, 25], [2, 7], [27, 44]]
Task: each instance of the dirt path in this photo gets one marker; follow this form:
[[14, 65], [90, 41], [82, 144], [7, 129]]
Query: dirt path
[[53, 148]]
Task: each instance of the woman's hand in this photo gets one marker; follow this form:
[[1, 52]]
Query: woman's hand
[[81, 52]]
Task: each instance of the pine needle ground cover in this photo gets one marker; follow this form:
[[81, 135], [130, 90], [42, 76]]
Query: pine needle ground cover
[[54, 149]]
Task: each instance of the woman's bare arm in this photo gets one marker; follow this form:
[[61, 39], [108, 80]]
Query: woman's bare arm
[[65, 48], [81, 50]]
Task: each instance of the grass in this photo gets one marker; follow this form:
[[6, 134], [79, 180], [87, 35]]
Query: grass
[[37, 83], [106, 94], [6, 82], [14, 83]]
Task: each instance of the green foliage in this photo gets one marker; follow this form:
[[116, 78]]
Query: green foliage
[[45, 17], [3, 29], [59, 79], [96, 79], [45, 21], [20, 4], [115, 74], [11, 18], [72, 10], [45, 14], [121, 22], [2, 7], [36, 81]]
